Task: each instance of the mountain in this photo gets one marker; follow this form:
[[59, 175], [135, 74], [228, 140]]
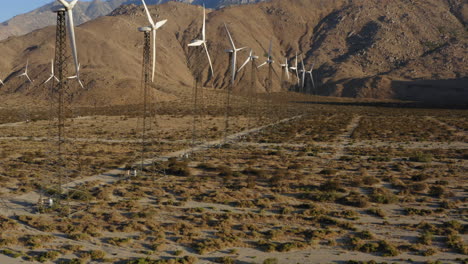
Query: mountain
[[86, 11], [399, 49]]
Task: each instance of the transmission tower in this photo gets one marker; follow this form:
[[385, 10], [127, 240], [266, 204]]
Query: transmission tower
[[61, 91], [146, 79]]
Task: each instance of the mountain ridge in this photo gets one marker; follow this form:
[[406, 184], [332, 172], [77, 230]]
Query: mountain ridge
[[87, 11], [368, 48]]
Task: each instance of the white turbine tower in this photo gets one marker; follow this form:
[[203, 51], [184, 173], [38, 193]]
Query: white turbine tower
[[199, 42], [71, 28], [52, 73], [250, 58], [154, 27], [25, 73], [234, 51], [312, 76]]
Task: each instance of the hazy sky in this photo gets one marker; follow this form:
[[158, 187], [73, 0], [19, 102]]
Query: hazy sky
[[11, 8]]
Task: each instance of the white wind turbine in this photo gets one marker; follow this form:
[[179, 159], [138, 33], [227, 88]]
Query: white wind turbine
[[270, 58], [234, 51], [295, 69], [250, 58], [1, 82], [154, 27], [303, 71], [285, 67], [312, 76], [71, 28], [52, 73], [199, 42], [25, 73]]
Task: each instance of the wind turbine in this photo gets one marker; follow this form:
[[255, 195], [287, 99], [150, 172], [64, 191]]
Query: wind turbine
[[296, 69], [303, 71], [233, 52], [154, 27], [52, 74], [285, 67], [199, 42], [312, 76], [270, 58], [71, 28], [1, 82], [25, 73], [250, 58]]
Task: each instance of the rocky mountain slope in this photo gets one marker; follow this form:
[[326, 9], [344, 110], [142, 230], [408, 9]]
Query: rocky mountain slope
[[402, 49], [86, 11]]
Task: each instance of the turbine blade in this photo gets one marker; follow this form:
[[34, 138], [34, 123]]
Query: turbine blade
[[209, 58], [204, 24], [269, 50], [50, 78], [148, 13], [56, 79], [29, 78], [230, 38], [71, 28], [261, 65], [160, 23], [64, 3], [1, 82], [245, 63], [196, 43], [154, 55]]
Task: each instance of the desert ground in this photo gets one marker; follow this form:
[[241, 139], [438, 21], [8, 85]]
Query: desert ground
[[298, 179]]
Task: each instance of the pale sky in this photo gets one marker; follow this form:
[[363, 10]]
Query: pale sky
[[11, 8]]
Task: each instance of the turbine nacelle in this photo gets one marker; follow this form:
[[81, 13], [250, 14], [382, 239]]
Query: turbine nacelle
[[144, 29], [154, 27]]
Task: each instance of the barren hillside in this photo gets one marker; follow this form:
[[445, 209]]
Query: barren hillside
[[402, 49]]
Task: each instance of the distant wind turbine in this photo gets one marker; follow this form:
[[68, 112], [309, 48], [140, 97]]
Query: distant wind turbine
[[52, 73], [234, 51], [285, 67], [250, 58], [154, 28], [1, 82], [71, 28], [296, 69], [199, 42], [311, 75], [269, 60], [25, 73], [303, 71]]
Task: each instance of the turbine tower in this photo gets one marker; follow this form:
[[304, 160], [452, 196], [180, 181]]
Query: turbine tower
[[270, 62], [154, 27], [146, 65], [52, 74], [284, 71], [233, 57], [312, 76], [25, 73], [251, 93], [303, 72], [71, 28], [295, 68], [197, 43]]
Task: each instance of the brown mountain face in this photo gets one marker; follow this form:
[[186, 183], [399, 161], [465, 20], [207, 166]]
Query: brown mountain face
[[402, 49]]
